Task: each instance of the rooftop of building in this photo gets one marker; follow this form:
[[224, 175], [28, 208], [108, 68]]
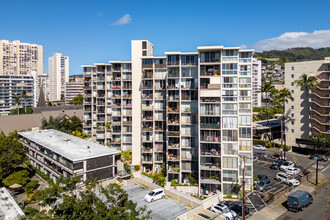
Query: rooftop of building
[[9, 209], [71, 147]]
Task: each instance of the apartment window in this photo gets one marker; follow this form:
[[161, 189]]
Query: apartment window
[[210, 57], [292, 115], [245, 120], [229, 68], [144, 53], [229, 122], [292, 84], [173, 60], [245, 132], [292, 91], [230, 162], [230, 148], [229, 108], [229, 135], [230, 175], [292, 130], [244, 107], [229, 53], [245, 145], [292, 106], [292, 68], [144, 45], [292, 76], [292, 122], [147, 61]]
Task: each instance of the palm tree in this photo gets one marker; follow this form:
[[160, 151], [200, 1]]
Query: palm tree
[[283, 96], [23, 96], [307, 82], [269, 90], [17, 101]]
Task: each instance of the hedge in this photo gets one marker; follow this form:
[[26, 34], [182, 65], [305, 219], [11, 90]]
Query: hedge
[[31, 186], [267, 144]]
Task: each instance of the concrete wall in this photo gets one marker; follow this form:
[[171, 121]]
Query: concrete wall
[[11, 123], [192, 190]]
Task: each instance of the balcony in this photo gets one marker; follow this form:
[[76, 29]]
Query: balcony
[[115, 87], [172, 157], [210, 166], [174, 170], [210, 126], [173, 133], [146, 150], [173, 121], [173, 146], [147, 87], [127, 122], [147, 128], [147, 97], [159, 128], [173, 110], [210, 139], [115, 97], [147, 118], [211, 72], [147, 76], [173, 98], [127, 96], [321, 93], [147, 108]]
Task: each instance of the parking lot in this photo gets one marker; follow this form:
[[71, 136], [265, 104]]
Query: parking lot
[[166, 208]]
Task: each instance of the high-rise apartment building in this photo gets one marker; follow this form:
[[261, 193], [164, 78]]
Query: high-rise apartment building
[[256, 82], [12, 87], [189, 111], [58, 75], [72, 89], [18, 58], [297, 117]]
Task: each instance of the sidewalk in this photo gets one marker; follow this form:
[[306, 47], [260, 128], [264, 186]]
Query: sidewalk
[[275, 210]]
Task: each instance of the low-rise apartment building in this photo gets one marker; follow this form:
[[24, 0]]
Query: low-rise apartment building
[[72, 89], [297, 114], [56, 153]]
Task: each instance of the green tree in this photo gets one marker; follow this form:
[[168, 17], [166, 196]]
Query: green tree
[[62, 98], [78, 100], [24, 96], [20, 177], [49, 103], [318, 140], [81, 134], [69, 203], [31, 186], [63, 124], [269, 91], [126, 156], [307, 82], [17, 101], [282, 97], [12, 154]]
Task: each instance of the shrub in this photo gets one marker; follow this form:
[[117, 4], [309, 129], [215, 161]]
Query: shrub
[[31, 186], [229, 196], [20, 177], [137, 167], [259, 142]]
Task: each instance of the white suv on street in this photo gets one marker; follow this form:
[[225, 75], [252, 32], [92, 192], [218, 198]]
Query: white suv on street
[[292, 171], [286, 165], [224, 211], [154, 195]]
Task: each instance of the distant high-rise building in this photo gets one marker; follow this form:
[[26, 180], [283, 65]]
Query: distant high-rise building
[[296, 111], [72, 89], [256, 85], [18, 58], [58, 75]]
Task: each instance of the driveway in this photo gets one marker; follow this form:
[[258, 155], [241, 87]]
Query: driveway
[[161, 209]]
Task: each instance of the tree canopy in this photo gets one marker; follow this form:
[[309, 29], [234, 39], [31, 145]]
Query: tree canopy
[[63, 124], [94, 202], [78, 100], [12, 154]]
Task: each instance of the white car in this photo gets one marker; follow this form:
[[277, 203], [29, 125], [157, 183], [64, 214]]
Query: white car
[[224, 211], [292, 171], [292, 182], [259, 147], [154, 195], [255, 159], [286, 165], [286, 178]]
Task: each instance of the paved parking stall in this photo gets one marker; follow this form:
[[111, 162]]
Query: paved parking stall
[[167, 208]]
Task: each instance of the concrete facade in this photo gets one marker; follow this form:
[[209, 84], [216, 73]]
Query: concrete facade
[[18, 58], [72, 89], [58, 75], [256, 85], [297, 115]]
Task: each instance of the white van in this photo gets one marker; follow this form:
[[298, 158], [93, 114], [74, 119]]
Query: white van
[[154, 195]]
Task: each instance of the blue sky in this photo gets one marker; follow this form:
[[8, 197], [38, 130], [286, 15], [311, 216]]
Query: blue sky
[[99, 31]]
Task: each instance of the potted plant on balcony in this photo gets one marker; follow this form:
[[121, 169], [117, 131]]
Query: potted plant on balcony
[[217, 72], [202, 73], [217, 165]]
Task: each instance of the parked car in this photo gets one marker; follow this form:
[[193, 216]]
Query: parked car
[[286, 165], [262, 177], [262, 154], [259, 147], [279, 156], [286, 178], [238, 208], [224, 211], [154, 195], [263, 185], [255, 159], [276, 164], [323, 158], [292, 171], [313, 156], [298, 200]]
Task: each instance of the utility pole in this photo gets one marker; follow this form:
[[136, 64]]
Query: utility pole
[[282, 138], [317, 170], [243, 208]]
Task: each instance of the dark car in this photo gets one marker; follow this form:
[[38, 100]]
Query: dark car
[[238, 208], [323, 158], [298, 200], [313, 156], [276, 164], [262, 154], [262, 177]]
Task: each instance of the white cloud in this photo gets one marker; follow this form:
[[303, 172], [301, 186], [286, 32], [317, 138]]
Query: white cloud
[[126, 19], [316, 39]]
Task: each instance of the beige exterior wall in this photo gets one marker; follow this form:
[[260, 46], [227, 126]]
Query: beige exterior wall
[[72, 89], [297, 122], [18, 58]]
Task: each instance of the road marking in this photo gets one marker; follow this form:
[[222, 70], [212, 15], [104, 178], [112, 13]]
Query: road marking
[[188, 207], [137, 183], [167, 197], [176, 201], [143, 186], [150, 189], [325, 169], [119, 184]]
